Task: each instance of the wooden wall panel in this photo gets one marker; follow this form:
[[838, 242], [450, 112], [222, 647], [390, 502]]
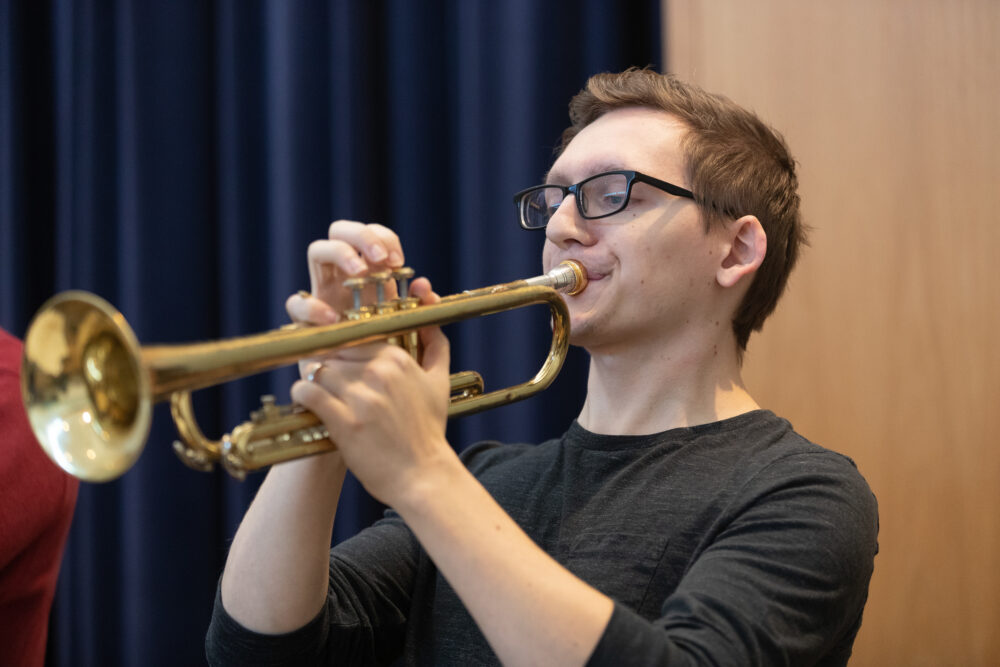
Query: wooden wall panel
[[884, 347]]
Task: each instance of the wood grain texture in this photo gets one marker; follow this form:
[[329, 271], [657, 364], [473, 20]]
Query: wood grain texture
[[884, 348]]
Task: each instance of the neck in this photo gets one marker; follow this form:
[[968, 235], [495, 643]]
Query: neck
[[652, 389]]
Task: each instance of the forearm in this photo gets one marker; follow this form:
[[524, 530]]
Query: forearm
[[277, 574], [530, 608]]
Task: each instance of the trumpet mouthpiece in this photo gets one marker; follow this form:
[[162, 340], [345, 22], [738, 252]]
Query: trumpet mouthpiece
[[569, 277]]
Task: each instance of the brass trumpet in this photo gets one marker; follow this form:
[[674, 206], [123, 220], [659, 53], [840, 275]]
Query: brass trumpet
[[88, 386]]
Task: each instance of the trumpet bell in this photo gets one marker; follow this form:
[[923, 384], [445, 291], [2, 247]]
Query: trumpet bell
[[87, 396]]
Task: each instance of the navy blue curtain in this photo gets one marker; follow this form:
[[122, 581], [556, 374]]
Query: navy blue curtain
[[177, 158]]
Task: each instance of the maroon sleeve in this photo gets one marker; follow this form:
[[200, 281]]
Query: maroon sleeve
[[36, 508]]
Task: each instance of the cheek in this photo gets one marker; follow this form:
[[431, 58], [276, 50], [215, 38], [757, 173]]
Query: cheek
[[653, 253], [677, 262]]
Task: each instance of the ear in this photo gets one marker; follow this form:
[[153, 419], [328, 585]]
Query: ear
[[746, 250]]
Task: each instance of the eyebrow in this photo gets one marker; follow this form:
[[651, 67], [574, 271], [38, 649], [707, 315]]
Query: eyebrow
[[597, 168]]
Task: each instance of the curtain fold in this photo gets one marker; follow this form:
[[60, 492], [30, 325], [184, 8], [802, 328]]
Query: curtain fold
[[178, 157]]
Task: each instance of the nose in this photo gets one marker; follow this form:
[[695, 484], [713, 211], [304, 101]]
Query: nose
[[567, 226]]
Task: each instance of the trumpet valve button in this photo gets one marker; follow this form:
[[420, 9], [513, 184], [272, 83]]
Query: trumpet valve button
[[402, 276], [268, 409], [356, 285], [380, 278]]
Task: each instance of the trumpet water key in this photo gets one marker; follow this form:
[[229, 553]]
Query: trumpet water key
[[89, 387]]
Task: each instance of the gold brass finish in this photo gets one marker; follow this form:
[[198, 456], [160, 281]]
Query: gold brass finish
[[88, 387]]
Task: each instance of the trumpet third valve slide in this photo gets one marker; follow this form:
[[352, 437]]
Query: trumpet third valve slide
[[89, 387]]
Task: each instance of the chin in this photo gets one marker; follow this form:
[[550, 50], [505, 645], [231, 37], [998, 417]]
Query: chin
[[581, 331]]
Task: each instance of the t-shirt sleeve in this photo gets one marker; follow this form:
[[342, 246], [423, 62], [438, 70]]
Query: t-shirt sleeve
[[363, 621], [783, 580]]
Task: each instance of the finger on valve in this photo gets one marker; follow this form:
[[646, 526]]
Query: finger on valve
[[374, 243], [304, 308]]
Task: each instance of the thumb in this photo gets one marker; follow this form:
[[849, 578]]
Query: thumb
[[437, 351]]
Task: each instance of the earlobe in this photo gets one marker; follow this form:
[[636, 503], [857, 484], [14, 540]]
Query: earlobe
[[747, 248]]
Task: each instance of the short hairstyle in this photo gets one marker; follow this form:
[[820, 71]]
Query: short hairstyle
[[736, 165]]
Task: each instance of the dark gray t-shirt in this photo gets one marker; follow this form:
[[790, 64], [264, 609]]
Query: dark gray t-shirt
[[732, 543]]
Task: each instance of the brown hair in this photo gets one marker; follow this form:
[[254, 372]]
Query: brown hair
[[736, 164]]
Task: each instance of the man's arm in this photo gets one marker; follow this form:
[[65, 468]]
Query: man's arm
[[389, 414], [278, 569], [363, 621], [531, 609], [277, 573]]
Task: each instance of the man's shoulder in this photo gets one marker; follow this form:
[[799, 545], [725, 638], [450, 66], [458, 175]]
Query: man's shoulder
[[766, 438], [781, 463], [782, 445]]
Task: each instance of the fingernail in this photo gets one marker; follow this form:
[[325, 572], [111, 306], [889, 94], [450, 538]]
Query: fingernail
[[377, 253], [355, 266], [395, 259]]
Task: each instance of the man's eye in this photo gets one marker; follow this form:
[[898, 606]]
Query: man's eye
[[614, 198]]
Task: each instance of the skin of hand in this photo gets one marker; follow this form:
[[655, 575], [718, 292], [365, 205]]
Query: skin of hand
[[386, 413], [352, 249]]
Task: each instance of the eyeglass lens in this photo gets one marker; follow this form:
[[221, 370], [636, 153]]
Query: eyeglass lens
[[596, 197]]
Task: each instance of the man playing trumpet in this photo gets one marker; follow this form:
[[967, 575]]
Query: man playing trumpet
[[675, 522]]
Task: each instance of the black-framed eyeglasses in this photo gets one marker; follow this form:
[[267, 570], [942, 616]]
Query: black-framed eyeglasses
[[599, 196]]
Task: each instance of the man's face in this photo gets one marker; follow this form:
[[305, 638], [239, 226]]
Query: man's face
[[652, 266]]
